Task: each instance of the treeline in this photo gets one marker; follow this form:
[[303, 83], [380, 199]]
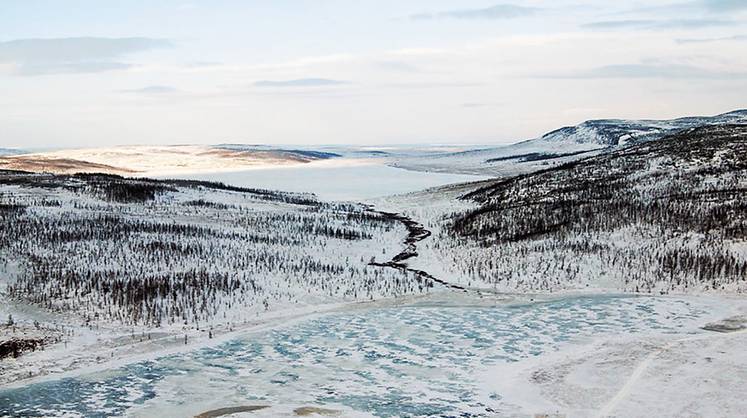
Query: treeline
[[115, 188]]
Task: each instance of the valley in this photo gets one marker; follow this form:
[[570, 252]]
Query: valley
[[597, 269]]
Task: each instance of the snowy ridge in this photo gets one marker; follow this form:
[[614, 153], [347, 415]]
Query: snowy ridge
[[619, 132], [563, 145]]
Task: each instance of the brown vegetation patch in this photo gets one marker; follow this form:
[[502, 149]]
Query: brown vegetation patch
[[57, 165], [230, 410], [312, 410]]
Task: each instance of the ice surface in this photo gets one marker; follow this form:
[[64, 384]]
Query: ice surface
[[415, 360], [333, 180]]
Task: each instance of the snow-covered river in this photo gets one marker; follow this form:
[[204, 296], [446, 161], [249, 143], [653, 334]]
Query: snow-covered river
[[421, 359], [337, 180]]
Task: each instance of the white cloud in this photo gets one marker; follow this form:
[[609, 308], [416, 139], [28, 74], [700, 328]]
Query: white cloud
[[300, 82], [155, 89], [733, 38], [665, 24], [499, 11], [72, 55], [663, 71]]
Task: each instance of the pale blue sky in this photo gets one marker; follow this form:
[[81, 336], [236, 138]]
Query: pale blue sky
[[91, 73]]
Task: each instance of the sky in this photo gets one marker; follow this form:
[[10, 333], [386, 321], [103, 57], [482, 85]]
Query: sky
[[83, 73]]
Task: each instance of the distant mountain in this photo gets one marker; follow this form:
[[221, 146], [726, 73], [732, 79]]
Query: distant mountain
[[563, 145]]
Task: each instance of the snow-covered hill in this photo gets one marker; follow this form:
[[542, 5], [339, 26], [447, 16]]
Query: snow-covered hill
[[619, 132], [659, 216], [563, 145]]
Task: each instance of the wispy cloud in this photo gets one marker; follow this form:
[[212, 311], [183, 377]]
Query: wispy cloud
[[713, 7], [300, 82], [399, 66], [668, 71], [72, 55], [736, 38], [153, 90], [651, 24], [478, 105], [433, 85], [499, 11], [618, 24], [724, 5]]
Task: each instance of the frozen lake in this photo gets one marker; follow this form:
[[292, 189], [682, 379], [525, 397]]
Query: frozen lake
[[418, 360], [336, 180]]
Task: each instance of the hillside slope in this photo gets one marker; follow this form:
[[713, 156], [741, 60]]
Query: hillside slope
[[179, 252], [666, 215]]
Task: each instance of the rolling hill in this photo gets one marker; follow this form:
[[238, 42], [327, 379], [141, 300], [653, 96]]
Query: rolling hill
[[666, 215]]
